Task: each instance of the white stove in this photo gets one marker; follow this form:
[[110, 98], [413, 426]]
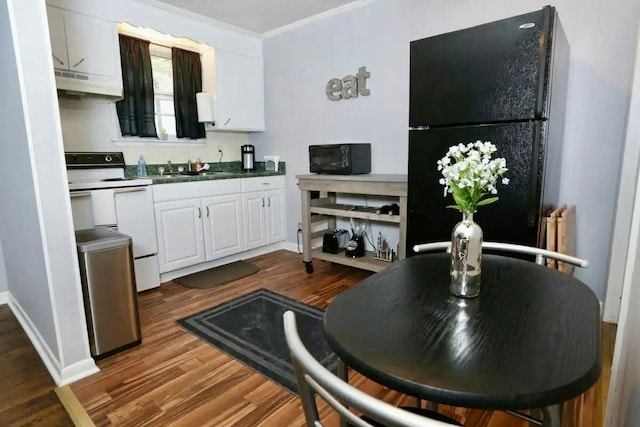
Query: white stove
[[88, 171], [101, 196]]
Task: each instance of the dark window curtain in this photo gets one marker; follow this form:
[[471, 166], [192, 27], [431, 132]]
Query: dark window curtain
[[136, 112], [187, 81]]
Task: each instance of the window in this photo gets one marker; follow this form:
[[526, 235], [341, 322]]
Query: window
[[163, 89]]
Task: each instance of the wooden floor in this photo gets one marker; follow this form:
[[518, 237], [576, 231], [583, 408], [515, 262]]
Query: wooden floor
[[26, 391], [174, 378]]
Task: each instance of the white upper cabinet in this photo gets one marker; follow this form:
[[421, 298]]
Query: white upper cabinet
[[58, 38], [86, 53], [238, 92], [92, 45]]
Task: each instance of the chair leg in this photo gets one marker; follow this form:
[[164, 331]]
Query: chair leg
[[343, 374], [307, 397], [552, 416], [432, 406]]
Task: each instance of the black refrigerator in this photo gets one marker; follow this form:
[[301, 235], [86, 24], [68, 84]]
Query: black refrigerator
[[503, 82]]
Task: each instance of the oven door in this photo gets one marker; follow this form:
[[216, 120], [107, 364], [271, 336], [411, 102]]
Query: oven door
[[133, 207]]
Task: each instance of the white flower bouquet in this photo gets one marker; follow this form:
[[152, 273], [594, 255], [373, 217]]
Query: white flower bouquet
[[471, 176]]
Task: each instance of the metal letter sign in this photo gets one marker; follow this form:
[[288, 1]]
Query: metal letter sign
[[349, 86]]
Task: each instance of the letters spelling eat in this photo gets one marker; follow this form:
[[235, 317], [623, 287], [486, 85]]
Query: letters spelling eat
[[350, 86]]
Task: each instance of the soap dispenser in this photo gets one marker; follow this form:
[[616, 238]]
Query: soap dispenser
[[142, 166]]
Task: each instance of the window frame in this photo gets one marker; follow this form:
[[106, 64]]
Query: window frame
[[163, 51]]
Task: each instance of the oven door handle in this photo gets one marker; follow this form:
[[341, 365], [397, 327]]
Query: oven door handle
[[115, 191]]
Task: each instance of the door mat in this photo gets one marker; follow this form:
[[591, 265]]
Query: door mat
[[217, 276], [250, 329]]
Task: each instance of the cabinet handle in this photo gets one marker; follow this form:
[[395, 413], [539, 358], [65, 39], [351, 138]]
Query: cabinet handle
[[78, 63], [263, 202], [227, 122], [58, 59], [199, 213], [207, 211], [269, 201]]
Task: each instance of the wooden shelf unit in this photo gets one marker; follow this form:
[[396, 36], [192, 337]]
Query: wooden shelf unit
[[326, 209]]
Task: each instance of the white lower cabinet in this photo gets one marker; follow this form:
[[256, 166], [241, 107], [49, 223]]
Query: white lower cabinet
[[254, 220], [204, 221], [264, 218], [180, 234], [276, 217], [222, 226]]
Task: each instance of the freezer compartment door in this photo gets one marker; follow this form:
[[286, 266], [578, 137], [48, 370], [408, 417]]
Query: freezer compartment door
[[514, 218], [485, 74]]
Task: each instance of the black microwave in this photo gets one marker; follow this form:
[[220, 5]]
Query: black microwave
[[340, 159]]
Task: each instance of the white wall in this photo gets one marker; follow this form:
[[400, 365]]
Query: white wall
[[86, 124], [20, 227], [624, 392], [42, 266], [299, 63], [3, 273]]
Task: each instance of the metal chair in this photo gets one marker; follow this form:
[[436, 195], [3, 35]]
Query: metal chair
[[313, 378], [540, 254]]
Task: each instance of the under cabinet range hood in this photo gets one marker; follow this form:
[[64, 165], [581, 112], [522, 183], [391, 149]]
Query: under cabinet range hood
[[77, 85]]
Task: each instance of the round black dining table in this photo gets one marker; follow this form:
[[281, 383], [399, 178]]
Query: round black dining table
[[531, 339]]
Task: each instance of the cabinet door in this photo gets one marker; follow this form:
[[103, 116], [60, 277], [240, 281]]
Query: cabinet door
[[55, 17], [91, 44], [253, 207], [179, 230], [276, 216], [134, 211], [222, 226], [239, 92]]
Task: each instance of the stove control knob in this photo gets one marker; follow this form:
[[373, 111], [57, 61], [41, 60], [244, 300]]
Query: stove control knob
[[108, 158]]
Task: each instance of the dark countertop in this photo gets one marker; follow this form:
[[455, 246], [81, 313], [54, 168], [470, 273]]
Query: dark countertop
[[172, 179]]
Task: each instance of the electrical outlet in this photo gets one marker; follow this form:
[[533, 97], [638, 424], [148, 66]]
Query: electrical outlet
[[299, 226]]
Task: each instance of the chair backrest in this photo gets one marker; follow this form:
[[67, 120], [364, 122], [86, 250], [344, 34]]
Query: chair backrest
[[540, 254], [313, 378]]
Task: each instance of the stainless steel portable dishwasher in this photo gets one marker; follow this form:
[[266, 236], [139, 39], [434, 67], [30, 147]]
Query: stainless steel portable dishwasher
[[109, 290]]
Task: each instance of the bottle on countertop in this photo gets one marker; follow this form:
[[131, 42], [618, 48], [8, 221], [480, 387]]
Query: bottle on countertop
[[142, 166]]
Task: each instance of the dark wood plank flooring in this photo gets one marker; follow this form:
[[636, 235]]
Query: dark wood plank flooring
[[27, 396], [173, 378]]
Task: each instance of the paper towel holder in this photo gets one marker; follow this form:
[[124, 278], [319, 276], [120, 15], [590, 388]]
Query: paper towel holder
[[204, 104]]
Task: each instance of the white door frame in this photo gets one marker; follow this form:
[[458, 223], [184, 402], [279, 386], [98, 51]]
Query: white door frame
[[623, 284]]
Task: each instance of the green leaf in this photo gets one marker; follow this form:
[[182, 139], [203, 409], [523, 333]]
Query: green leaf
[[487, 201], [455, 207]]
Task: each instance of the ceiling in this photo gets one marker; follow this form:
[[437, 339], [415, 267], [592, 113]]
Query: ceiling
[[258, 16]]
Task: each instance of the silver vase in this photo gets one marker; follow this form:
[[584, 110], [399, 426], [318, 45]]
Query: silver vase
[[466, 257]]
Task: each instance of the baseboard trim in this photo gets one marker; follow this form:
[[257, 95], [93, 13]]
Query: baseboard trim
[[41, 346], [291, 247], [74, 408], [170, 275], [61, 376], [4, 297], [77, 371]]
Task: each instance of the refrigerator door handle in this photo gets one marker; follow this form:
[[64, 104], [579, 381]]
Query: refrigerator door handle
[[532, 209]]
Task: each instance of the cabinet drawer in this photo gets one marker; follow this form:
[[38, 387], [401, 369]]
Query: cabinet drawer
[[262, 183], [190, 190]]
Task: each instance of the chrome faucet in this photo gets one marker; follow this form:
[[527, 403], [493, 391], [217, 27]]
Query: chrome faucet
[[170, 167], [189, 165]]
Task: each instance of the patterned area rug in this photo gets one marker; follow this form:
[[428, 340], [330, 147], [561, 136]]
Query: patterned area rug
[[250, 329]]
